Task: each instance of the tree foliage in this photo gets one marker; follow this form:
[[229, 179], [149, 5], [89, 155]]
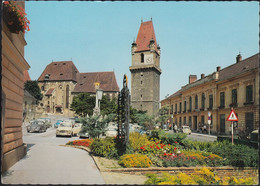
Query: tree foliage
[[84, 103], [96, 125], [163, 115], [33, 88], [146, 121]]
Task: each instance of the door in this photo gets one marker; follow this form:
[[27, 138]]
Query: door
[[222, 124], [249, 122], [195, 122]]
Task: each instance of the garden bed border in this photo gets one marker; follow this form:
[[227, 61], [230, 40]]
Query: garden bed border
[[239, 172]]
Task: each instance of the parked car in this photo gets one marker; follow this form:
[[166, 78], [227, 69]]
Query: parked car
[[83, 135], [58, 122], [111, 131], [36, 126], [254, 136], [76, 129], [185, 129], [47, 121], [64, 129]]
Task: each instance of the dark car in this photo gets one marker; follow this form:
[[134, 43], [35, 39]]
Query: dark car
[[36, 126]]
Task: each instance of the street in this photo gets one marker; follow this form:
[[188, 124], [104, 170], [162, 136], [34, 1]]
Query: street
[[47, 162], [198, 136]]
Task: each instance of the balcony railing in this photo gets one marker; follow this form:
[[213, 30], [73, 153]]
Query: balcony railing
[[233, 105], [249, 103]]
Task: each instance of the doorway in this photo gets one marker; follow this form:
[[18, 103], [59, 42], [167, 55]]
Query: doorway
[[222, 124], [249, 122], [195, 123]]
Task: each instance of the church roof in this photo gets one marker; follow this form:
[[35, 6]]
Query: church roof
[[60, 71], [107, 80], [145, 34], [26, 76], [49, 92]]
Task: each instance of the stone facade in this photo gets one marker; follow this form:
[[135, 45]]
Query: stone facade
[[61, 81], [13, 66], [145, 71], [235, 86]]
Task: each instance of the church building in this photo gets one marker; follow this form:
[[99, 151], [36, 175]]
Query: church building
[[145, 70]]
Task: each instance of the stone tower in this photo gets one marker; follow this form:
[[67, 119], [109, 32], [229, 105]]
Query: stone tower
[[145, 70]]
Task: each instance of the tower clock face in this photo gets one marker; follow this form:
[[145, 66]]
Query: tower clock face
[[148, 59]]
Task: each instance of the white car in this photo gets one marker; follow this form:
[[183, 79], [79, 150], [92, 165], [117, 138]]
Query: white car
[[111, 131], [76, 129], [64, 129], [186, 129]]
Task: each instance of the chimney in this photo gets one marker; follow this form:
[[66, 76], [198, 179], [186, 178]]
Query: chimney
[[218, 68], [202, 76], [239, 58], [192, 78]]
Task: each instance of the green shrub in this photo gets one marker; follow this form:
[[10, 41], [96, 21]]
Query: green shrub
[[104, 147], [136, 140], [167, 138], [134, 160]]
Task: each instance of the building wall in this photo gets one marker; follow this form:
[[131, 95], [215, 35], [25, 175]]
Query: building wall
[[214, 88], [13, 65], [58, 97]]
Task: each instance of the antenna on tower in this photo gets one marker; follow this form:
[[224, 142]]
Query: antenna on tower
[[142, 20], [151, 18]]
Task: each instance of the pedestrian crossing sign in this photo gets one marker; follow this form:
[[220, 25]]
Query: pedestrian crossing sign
[[232, 116]]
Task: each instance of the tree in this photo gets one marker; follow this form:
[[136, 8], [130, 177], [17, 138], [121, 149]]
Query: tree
[[145, 120], [95, 125], [83, 104], [133, 114], [163, 114], [33, 88]]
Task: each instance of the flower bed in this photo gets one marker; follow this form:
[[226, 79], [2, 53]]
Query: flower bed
[[84, 142], [203, 176]]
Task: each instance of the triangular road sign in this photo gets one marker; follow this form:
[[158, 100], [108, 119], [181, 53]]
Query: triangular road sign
[[232, 116]]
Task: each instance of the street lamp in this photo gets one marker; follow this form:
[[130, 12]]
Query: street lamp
[[99, 93]]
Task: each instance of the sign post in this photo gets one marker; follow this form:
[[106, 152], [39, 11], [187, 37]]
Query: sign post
[[232, 117], [209, 120]]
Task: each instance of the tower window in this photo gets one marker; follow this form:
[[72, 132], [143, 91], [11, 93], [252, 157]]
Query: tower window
[[142, 57], [141, 82], [141, 95]]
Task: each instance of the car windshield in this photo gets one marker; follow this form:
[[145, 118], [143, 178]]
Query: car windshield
[[186, 127], [34, 124], [65, 124], [77, 125]]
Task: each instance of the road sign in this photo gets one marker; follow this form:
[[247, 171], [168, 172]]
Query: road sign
[[232, 116]]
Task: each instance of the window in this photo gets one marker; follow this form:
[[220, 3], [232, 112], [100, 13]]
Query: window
[[234, 96], [184, 120], [222, 99], [180, 121], [210, 101], [190, 123], [175, 108], [249, 93], [171, 109], [196, 102], [202, 120], [141, 82], [180, 107], [42, 88], [142, 57], [185, 104], [203, 101], [67, 96], [141, 95], [190, 103]]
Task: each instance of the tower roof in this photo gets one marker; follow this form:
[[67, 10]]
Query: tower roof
[[145, 34]]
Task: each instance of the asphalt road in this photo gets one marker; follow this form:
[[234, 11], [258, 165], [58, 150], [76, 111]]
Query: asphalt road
[[47, 162]]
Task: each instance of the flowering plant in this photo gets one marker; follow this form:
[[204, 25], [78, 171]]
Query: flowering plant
[[15, 17], [85, 142]]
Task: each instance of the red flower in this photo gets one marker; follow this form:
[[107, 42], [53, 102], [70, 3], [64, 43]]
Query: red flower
[[168, 144], [165, 154], [176, 142], [6, 2], [157, 147], [175, 148]]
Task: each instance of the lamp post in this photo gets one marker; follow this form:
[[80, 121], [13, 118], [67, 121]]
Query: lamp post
[[99, 93]]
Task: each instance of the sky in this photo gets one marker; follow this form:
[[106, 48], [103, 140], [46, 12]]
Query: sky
[[195, 37]]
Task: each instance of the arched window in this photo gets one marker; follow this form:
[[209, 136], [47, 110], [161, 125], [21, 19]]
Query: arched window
[[67, 96], [202, 101], [196, 102], [142, 57], [190, 103]]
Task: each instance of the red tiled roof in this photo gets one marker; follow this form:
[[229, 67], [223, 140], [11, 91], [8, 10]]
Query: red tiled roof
[[239, 68], [86, 82], [62, 70], [26, 76], [145, 34], [49, 92]]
